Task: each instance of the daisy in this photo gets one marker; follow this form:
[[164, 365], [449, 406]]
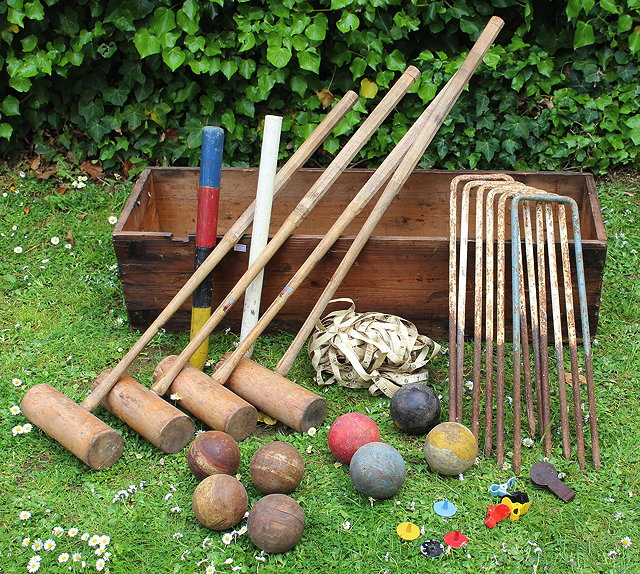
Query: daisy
[[57, 531], [210, 569], [119, 321], [94, 540], [76, 556], [506, 466], [49, 545], [337, 464], [72, 532], [175, 509], [24, 515], [100, 564], [309, 449], [37, 545], [16, 430], [82, 178], [64, 557], [346, 525], [527, 441], [17, 249], [242, 530], [626, 542], [113, 220], [312, 431], [26, 542], [55, 240], [34, 564], [16, 382], [227, 538], [469, 385], [618, 516], [175, 397], [177, 535]]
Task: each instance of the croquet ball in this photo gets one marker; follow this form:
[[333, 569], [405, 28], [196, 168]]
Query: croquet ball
[[377, 470], [276, 467], [349, 432], [415, 408], [275, 523], [220, 501], [450, 448], [213, 452]]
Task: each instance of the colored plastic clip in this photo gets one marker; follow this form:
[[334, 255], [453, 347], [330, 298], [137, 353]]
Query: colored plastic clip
[[445, 508], [496, 513], [518, 496], [517, 509], [502, 489], [455, 539]]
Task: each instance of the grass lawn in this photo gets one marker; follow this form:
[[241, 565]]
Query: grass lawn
[[63, 321]]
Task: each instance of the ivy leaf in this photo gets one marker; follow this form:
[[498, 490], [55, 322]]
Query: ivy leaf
[[279, 56], [245, 107], [5, 131], [146, 43], [584, 35], [299, 85], [20, 84], [309, 60], [228, 68], [190, 8], [174, 58], [187, 24], [34, 10], [116, 95], [10, 106], [368, 89], [487, 147], [624, 23], [163, 21], [634, 40], [358, 67], [228, 121], [609, 6], [317, 30], [634, 124], [349, 21], [396, 61], [247, 68], [338, 4]]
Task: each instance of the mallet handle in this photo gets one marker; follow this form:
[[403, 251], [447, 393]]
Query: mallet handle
[[304, 207], [237, 230]]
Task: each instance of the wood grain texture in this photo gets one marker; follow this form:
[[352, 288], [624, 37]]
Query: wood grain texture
[[402, 270]]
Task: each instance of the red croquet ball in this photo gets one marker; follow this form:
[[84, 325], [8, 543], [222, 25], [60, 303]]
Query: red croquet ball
[[349, 432], [213, 452]]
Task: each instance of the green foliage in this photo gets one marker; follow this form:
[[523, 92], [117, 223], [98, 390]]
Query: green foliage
[[128, 81]]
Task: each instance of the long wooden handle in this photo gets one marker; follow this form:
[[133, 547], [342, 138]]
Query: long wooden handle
[[306, 204], [206, 230], [429, 123], [237, 230]]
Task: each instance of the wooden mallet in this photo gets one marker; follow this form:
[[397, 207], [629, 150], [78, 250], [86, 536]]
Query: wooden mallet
[[74, 426]]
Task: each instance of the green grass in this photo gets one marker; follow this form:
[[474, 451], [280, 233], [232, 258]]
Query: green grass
[[60, 324]]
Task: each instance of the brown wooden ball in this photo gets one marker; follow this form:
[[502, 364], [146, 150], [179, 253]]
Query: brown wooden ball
[[275, 523], [213, 452], [276, 467], [220, 502]]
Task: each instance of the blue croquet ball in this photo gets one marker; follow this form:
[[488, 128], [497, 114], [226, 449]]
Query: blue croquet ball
[[377, 470], [415, 408]]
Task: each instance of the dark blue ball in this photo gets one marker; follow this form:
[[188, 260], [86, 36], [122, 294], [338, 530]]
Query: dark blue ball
[[377, 470], [415, 408]]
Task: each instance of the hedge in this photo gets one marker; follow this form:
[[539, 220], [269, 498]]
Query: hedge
[[132, 82]]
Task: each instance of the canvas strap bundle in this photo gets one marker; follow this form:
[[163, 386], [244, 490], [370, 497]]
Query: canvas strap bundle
[[374, 350]]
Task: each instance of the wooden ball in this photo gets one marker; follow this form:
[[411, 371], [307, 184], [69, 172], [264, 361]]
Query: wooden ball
[[220, 501], [275, 523], [377, 470], [349, 432], [415, 408], [276, 467], [450, 448], [213, 452]]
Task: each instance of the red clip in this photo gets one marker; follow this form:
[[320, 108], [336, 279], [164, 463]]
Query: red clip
[[496, 513]]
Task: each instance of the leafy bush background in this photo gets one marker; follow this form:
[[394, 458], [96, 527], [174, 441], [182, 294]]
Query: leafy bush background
[[133, 81]]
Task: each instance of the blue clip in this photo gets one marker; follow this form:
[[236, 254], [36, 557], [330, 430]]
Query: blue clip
[[502, 489]]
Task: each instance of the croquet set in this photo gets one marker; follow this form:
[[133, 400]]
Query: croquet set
[[486, 258]]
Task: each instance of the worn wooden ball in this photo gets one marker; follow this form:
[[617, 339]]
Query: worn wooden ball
[[377, 470], [276, 467], [450, 448], [415, 408], [220, 501], [275, 523], [349, 432], [213, 452]]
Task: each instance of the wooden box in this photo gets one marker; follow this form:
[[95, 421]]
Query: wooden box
[[403, 270]]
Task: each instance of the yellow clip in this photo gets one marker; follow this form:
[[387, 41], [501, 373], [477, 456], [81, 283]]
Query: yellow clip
[[517, 509]]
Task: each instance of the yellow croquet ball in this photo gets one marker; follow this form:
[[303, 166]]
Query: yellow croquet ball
[[450, 448]]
